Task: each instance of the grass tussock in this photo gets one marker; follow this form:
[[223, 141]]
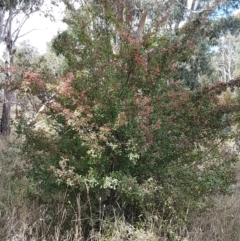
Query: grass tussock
[[23, 217]]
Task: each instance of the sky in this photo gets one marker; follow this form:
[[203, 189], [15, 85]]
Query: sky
[[41, 29]]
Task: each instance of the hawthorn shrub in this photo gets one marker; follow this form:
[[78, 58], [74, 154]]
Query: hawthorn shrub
[[123, 138]]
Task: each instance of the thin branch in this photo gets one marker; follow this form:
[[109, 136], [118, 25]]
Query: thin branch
[[41, 121], [20, 36], [17, 31], [41, 109], [16, 12], [9, 19], [2, 14]]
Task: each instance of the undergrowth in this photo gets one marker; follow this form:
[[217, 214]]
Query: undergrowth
[[27, 214]]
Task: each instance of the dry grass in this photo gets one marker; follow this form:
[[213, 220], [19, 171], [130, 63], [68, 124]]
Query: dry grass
[[22, 219], [222, 221]]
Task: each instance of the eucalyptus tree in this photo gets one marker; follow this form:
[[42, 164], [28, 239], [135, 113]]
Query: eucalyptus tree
[[211, 19], [169, 19], [13, 15], [224, 60], [215, 20]]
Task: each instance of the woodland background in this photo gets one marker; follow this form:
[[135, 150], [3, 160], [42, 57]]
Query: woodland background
[[127, 128]]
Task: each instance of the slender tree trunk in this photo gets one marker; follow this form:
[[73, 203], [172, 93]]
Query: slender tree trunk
[[6, 121]]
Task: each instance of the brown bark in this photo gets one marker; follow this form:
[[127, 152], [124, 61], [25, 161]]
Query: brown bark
[[5, 121]]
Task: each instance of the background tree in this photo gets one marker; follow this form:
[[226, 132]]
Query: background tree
[[31, 102], [11, 11], [13, 15]]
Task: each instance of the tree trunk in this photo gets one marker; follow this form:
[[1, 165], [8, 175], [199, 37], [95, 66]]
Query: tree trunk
[[5, 121]]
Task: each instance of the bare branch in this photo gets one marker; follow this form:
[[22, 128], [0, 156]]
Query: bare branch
[[18, 29], [41, 121], [1, 23], [141, 24], [20, 36], [41, 109], [9, 19]]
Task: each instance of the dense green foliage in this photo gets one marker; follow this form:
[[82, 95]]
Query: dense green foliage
[[123, 131]]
